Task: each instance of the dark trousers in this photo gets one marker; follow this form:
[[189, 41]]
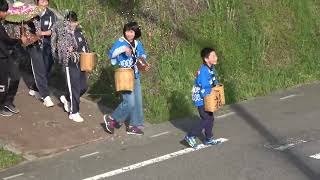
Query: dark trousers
[[40, 70], [47, 58], [15, 60], [77, 85], [14, 79], [4, 76], [205, 123]]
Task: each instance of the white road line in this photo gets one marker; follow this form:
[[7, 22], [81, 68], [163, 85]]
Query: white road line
[[88, 155], [14, 176], [288, 146], [315, 156], [225, 115], [160, 134], [149, 162], [287, 97], [284, 147]]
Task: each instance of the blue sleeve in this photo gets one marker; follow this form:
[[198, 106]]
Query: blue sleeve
[[205, 84], [117, 49], [140, 51]]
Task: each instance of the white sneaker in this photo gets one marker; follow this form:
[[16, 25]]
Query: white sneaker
[[76, 117], [66, 104], [34, 94], [48, 102]]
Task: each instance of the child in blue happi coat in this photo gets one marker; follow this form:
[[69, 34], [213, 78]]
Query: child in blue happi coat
[[206, 79], [125, 53]]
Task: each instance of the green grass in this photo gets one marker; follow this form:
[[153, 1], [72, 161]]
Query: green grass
[[8, 159], [262, 45]]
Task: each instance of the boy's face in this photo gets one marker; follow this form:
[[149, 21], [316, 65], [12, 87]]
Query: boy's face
[[44, 3], [130, 35], [212, 58], [3, 14]]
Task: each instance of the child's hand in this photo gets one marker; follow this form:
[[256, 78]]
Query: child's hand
[[128, 51], [147, 67], [24, 39]]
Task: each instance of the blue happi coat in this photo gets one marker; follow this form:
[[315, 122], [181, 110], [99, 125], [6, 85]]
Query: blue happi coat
[[206, 78], [119, 57]]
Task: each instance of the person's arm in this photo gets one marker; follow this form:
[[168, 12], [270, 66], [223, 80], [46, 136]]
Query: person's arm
[[81, 41], [51, 20], [117, 49], [205, 84], [140, 51], [54, 39], [6, 39], [46, 33]]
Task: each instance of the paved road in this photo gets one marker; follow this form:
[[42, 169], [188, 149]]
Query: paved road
[[270, 138]]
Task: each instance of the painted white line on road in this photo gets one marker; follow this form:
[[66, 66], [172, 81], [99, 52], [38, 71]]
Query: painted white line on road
[[149, 162], [225, 115], [284, 147], [315, 156], [160, 134], [287, 97], [288, 146], [88, 155], [14, 176]]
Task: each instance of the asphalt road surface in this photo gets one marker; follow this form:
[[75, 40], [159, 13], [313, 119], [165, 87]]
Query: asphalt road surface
[[269, 138]]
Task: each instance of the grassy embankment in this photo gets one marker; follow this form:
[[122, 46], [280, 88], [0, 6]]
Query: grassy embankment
[[262, 46]]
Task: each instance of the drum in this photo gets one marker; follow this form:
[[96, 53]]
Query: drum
[[124, 79], [142, 65], [215, 99], [87, 61]]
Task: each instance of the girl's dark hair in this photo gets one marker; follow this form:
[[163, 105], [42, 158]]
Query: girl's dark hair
[[37, 1], [205, 52], [134, 27], [71, 16], [4, 6]]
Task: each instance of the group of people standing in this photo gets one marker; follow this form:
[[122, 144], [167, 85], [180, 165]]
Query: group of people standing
[[65, 39]]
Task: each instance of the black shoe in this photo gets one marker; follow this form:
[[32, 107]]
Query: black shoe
[[118, 125], [134, 131], [12, 108], [109, 123], [5, 112]]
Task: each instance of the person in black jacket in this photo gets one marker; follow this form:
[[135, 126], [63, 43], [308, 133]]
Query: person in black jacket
[[41, 56], [5, 53], [47, 20]]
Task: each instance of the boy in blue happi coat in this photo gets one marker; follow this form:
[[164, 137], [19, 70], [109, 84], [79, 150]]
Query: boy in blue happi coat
[[206, 79], [125, 54]]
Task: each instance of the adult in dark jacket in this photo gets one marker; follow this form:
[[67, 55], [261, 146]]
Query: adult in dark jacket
[[5, 43]]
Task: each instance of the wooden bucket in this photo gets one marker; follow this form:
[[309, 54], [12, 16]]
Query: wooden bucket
[[215, 99], [87, 61], [220, 89], [124, 79]]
